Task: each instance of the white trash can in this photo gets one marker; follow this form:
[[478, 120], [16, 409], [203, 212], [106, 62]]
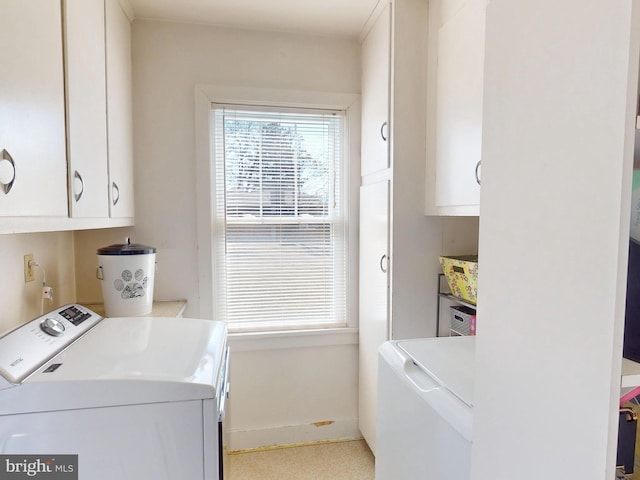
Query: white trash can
[[127, 272]]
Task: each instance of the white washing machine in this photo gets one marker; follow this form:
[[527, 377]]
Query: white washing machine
[[425, 409], [136, 398]]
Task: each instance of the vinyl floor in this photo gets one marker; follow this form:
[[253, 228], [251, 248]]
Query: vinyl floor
[[351, 460]]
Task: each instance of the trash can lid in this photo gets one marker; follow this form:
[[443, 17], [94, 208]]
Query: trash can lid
[[126, 248]]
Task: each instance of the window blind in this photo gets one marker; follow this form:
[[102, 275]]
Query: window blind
[[280, 222]]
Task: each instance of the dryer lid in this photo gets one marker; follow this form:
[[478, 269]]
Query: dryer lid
[[449, 360]]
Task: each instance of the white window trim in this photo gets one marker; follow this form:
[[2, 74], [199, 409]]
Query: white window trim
[[205, 96]]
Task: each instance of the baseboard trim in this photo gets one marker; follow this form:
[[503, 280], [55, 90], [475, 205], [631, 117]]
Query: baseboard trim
[[293, 435], [293, 445]]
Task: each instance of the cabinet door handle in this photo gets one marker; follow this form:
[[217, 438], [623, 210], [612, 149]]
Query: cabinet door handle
[[478, 171], [383, 127], [115, 193], [77, 176], [6, 186], [382, 259]]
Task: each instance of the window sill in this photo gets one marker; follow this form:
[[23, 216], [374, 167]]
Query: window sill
[[245, 342]]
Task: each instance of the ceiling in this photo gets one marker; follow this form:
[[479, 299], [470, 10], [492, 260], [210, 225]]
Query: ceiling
[[342, 18]]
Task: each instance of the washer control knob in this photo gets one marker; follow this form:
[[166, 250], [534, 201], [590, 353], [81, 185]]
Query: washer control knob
[[52, 327]]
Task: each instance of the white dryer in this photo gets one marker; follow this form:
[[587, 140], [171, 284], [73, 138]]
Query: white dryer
[[425, 409], [136, 398]]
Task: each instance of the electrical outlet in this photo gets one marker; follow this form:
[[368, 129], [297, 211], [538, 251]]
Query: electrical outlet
[[28, 269]]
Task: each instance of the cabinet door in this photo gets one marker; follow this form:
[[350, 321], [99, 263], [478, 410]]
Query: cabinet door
[[119, 119], [376, 51], [459, 106], [33, 165], [86, 108], [374, 299]]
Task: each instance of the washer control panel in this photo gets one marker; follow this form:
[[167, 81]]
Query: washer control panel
[[28, 347]]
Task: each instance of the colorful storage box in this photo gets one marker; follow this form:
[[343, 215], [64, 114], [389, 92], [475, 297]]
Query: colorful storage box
[[462, 276], [463, 320]]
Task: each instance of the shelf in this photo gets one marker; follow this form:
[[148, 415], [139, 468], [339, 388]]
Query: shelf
[[453, 298], [444, 293]]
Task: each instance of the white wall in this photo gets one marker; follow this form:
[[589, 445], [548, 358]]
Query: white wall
[[292, 394], [21, 301], [277, 393]]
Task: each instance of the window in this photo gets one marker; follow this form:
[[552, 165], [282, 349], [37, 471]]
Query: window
[[279, 218]]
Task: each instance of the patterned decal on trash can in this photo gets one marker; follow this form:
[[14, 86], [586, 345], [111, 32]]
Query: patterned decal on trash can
[[129, 288]]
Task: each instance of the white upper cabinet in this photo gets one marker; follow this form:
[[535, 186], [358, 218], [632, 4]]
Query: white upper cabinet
[[86, 108], [66, 146], [33, 167], [458, 108], [376, 51], [119, 119]]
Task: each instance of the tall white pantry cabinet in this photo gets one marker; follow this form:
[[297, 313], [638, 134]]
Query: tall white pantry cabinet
[[399, 245]]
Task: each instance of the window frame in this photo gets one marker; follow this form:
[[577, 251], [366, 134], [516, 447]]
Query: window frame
[[205, 97]]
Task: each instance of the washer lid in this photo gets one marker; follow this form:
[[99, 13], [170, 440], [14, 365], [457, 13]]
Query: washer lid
[[449, 360], [125, 361]]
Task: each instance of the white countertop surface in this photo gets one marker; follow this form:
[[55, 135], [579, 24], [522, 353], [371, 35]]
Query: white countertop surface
[[162, 308]]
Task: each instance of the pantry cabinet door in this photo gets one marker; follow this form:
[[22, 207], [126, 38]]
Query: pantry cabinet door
[[33, 166], [119, 114], [374, 299], [86, 108], [376, 64]]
